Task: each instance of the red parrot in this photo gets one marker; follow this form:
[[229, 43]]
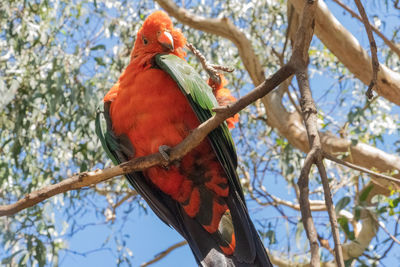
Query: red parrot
[[155, 104]]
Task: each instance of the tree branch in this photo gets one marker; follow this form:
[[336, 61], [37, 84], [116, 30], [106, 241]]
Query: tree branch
[[361, 169], [164, 253], [389, 43], [306, 216], [315, 156], [369, 226], [375, 61], [211, 69], [309, 111], [300, 60], [388, 233], [349, 52], [139, 164]]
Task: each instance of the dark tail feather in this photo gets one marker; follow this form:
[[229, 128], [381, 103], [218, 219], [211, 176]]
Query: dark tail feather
[[249, 251]]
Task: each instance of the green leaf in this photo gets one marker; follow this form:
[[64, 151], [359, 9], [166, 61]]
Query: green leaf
[[354, 142], [40, 255], [271, 236], [100, 61], [24, 259], [98, 47], [365, 193], [344, 224], [342, 203], [348, 263]]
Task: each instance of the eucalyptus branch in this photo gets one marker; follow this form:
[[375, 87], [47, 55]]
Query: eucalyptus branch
[[382, 225], [211, 69], [374, 52], [306, 216], [348, 50], [164, 253], [309, 112], [361, 169], [389, 43], [300, 54], [139, 164]]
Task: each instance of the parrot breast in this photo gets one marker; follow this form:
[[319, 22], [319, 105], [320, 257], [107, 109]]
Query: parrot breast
[[152, 111]]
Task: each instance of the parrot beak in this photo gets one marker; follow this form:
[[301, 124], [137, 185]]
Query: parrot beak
[[166, 40]]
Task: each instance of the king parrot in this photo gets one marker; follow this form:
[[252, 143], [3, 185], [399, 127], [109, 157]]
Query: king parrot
[[157, 101]]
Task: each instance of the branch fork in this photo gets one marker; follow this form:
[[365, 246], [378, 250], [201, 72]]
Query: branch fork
[[211, 69]]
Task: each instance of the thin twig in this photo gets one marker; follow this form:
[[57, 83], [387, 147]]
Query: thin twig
[[331, 212], [388, 233], [389, 43], [391, 244], [325, 244], [306, 216], [374, 55], [211, 69], [164, 253], [300, 59], [359, 168]]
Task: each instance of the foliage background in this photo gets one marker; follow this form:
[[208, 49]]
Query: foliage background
[[57, 60]]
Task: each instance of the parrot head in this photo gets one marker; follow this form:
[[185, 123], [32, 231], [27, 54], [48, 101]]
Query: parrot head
[[158, 35]]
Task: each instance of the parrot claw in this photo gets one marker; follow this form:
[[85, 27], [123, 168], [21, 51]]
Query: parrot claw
[[164, 151]]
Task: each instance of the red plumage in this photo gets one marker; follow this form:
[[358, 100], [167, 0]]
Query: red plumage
[[148, 107]]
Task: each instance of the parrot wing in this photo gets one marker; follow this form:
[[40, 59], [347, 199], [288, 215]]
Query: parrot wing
[[249, 248], [202, 100], [119, 149]]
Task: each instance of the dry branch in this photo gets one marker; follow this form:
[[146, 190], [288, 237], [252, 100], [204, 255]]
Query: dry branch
[[395, 48], [361, 169], [374, 55], [164, 253], [211, 69], [300, 60], [309, 112], [139, 164], [349, 52], [306, 216], [315, 156]]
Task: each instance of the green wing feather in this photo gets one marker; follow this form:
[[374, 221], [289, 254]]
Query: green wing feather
[[104, 135], [202, 101]]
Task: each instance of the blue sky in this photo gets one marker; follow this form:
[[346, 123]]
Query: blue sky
[[149, 236]]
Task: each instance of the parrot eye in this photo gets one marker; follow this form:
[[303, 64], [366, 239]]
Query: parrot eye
[[145, 41]]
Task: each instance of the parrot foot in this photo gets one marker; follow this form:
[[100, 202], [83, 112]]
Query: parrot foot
[[164, 151]]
